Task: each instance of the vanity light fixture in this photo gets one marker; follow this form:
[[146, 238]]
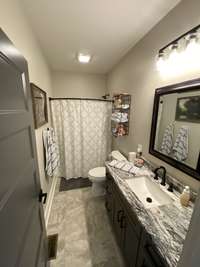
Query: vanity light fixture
[[181, 54], [84, 58]]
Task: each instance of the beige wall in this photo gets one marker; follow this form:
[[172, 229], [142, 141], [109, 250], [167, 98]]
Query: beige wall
[[14, 23], [67, 84], [137, 75]]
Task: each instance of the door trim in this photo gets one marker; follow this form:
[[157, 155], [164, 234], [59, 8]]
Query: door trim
[[50, 200]]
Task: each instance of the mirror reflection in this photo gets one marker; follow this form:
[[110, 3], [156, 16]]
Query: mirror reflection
[[178, 127]]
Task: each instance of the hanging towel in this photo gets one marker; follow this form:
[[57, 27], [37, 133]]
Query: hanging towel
[[180, 147], [119, 117], [167, 142], [51, 152]]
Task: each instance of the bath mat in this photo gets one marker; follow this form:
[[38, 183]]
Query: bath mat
[[74, 183]]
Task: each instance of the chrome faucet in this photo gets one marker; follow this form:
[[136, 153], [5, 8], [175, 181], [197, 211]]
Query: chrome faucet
[[163, 181]]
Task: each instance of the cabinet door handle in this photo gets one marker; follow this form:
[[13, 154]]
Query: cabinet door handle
[[120, 213], [123, 222], [42, 197]]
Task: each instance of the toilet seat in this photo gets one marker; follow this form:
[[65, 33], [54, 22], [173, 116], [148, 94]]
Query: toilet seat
[[98, 174]]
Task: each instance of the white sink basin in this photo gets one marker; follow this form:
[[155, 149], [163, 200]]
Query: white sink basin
[[148, 192]]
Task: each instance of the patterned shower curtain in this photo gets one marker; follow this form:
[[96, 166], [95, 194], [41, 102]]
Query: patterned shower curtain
[[83, 134]]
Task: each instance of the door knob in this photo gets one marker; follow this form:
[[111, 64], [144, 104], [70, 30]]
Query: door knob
[[42, 196]]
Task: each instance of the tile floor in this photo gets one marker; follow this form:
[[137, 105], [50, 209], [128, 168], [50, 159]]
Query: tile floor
[[85, 237]]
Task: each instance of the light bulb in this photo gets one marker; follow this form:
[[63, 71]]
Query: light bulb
[[192, 53], [160, 62], [174, 62], [193, 45], [174, 56]]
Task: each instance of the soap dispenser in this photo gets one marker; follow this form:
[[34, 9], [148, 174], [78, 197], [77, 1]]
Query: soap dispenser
[[185, 196]]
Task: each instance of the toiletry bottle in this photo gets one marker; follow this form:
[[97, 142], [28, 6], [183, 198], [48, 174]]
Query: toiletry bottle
[[139, 151], [185, 196]]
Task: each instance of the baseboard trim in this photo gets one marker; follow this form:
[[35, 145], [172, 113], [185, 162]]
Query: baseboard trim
[[50, 200]]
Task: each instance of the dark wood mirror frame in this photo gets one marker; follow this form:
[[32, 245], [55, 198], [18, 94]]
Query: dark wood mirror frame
[[175, 88]]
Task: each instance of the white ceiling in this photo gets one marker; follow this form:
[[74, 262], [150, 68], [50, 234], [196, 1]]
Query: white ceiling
[[105, 28]]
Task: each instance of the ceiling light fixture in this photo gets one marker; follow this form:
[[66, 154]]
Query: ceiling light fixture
[[84, 58]]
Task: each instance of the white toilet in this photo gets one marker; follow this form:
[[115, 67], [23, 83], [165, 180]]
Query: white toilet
[[98, 175]]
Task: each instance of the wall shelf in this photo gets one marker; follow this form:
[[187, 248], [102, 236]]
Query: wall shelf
[[120, 114]]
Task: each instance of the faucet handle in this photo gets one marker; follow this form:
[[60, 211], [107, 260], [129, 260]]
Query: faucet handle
[[163, 182], [156, 173], [156, 176], [170, 188]]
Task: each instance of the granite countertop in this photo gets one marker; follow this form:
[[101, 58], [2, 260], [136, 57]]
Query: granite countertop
[[167, 225]]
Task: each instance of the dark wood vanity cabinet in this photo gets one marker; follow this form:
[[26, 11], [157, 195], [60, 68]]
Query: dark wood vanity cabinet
[[148, 261], [124, 228], [135, 244], [148, 255], [109, 199], [118, 220], [130, 243]]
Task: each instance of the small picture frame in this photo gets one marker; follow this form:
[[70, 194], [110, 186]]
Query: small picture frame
[[39, 101], [188, 109]]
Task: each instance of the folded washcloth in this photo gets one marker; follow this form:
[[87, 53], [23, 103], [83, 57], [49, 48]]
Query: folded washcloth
[[129, 167], [119, 117]]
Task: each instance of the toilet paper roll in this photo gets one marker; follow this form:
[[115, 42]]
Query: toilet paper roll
[[131, 156]]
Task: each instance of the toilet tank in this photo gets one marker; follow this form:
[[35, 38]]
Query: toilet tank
[[117, 155]]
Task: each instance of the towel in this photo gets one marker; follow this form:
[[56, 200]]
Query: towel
[[180, 148], [167, 142], [51, 152], [119, 117], [129, 167]]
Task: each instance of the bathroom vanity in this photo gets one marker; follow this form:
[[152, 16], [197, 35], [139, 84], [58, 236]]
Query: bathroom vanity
[[148, 236]]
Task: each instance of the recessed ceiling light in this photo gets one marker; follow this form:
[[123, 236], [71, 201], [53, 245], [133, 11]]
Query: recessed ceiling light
[[84, 58]]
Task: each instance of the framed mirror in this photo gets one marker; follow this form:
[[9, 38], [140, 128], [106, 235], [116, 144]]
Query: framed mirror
[[175, 131]]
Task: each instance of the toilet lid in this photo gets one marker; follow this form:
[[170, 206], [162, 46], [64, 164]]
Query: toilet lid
[[98, 172], [117, 155]]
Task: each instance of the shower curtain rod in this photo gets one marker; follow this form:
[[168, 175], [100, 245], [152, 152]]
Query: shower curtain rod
[[77, 98]]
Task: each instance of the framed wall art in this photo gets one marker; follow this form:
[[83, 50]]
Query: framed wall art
[[39, 100], [188, 109]]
